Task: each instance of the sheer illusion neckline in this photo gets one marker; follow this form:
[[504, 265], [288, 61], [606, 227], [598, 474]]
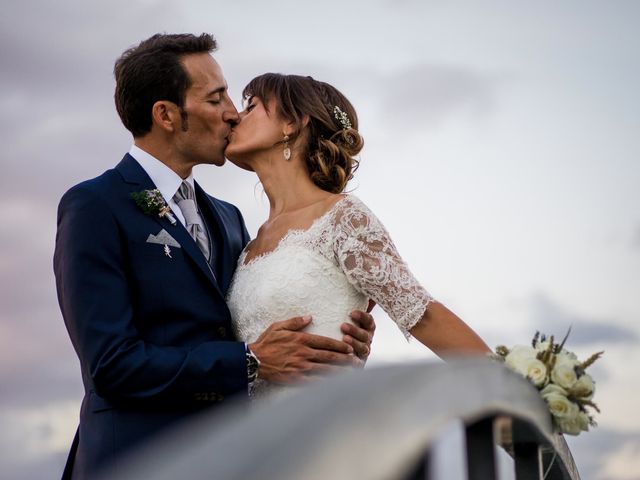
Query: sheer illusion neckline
[[293, 232]]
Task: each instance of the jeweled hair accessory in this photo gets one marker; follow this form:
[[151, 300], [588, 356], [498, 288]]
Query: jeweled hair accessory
[[342, 117]]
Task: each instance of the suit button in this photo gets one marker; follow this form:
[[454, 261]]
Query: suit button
[[222, 332]]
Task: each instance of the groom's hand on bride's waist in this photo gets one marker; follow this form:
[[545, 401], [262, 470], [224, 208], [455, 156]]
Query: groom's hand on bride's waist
[[289, 355]]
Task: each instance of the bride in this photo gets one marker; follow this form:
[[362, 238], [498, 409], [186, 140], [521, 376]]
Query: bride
[[320, 251]]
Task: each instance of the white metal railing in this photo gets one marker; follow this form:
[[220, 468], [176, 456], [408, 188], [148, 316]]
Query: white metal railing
[[379, 424]]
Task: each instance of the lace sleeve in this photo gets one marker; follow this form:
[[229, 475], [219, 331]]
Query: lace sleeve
[[369, 259]]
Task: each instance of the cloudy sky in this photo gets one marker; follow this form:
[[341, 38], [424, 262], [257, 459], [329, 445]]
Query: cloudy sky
[[502, 154]]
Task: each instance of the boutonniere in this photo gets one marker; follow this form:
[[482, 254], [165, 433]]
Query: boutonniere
[[151, 202]]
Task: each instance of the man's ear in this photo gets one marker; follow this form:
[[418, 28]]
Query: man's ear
[[166, 115]]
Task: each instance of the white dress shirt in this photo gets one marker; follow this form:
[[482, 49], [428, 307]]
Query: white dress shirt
[[165, 179]]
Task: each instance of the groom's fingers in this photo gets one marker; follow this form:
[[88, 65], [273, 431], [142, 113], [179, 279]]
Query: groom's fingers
[[289, 355], [320, 343], [295, 323], [314, 341], [330, 357]]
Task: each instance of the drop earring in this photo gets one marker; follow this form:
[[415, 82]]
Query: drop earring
[[287, 151]]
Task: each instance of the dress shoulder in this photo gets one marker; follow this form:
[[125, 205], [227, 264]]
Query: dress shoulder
[[367, 255]]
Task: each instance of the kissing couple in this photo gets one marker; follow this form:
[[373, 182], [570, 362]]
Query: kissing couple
[[170, 306]]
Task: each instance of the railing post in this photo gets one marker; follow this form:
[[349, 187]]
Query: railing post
[[422, 469], [527, 460], [481, 462]]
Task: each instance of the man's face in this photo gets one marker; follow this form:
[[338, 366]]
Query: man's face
[[210, 113]]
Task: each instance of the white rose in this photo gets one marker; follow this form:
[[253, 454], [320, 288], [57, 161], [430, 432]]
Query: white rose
[[518, 356], [584, 387], [520, 352], [537, 373], [573, 426], [551, 388], [523, 360], [564, 373], [559, 405]]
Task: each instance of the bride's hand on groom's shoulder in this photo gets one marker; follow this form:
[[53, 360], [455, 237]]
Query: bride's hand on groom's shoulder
[[289, 355]]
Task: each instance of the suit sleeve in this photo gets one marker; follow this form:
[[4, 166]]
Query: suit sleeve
[[94, 295]]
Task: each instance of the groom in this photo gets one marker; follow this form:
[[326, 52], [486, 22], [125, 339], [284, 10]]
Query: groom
[[141, 283]]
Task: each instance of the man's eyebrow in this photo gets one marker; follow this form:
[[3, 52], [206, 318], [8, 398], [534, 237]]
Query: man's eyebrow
[[216, 91]]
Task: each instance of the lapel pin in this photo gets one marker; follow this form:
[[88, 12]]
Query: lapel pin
[[167, 251]]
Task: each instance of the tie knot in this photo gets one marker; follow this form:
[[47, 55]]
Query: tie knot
[[186, 199], [185, 192]]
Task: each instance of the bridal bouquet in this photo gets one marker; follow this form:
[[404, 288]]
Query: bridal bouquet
[[560, 377]]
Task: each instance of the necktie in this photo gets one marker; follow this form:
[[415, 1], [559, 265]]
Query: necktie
[[185, 197]]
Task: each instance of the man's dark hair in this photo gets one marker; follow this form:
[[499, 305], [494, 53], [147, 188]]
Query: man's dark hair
[[153, 71]]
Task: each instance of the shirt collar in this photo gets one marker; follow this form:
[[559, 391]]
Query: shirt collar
[[165, 179]]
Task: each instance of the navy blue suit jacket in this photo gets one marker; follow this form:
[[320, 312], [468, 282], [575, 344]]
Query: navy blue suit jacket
[[152, 332]]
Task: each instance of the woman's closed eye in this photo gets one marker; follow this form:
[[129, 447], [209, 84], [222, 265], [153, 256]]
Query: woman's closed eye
[[249, 103]]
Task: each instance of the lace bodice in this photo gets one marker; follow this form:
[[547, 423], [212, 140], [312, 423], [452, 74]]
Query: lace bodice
[[327, 271]]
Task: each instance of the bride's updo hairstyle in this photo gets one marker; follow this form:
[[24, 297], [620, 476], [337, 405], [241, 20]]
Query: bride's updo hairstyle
[[332, 138]]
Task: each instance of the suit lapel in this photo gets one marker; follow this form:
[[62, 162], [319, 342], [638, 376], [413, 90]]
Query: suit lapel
[[190, 247], [220, 236], [133, 174]]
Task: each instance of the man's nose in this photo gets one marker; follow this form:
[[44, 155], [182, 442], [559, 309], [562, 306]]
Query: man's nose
[[231, 115]]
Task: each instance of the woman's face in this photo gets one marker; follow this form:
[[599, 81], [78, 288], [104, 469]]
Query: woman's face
[[260, 130]]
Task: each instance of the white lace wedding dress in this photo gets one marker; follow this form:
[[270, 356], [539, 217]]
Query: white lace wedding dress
[[327, 271]]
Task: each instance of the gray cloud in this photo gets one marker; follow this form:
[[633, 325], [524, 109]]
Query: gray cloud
[[37, 362], [591, 450], [59, 57], [48, 371], [45, 466], [549, 317], [419, 97], [635, 242], [56, 89], [426, 95]]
